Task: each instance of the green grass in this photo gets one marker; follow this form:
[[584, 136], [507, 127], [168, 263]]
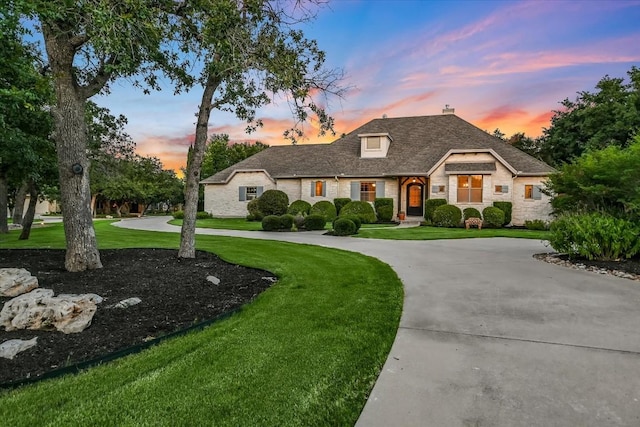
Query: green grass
[[306, 352], [224, 223], [434, 233]]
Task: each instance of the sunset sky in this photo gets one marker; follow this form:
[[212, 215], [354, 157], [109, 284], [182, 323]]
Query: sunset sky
[[500, 64]]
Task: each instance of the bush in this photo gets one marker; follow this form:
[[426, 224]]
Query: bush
[[382, 201], [299, 207], [430, 206], [344, 227], [506, 208], [447, 216], [203, 215], [493, 217], [340, 202], [471, 213], [363, 210], [178, 215], [536, 224], [273, 202], [385, 213], [298, 221], [271, 223], [326, 208], [314, 222], [286, 221], [254, 211], [595, 235], [354, 218]]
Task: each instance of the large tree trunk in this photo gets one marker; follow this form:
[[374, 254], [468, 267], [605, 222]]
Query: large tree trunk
[[73, 165], [27, 221], [18, 209], [194, 163], [4, 195]]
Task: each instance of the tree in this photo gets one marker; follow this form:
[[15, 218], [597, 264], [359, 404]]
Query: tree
[[220, 154], [252, 52], [608, 116]]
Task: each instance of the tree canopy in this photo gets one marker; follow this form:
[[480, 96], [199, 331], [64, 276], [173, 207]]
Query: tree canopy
[[220, 153]]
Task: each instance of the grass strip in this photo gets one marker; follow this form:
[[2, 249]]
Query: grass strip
[[306, 352], [435, 233]]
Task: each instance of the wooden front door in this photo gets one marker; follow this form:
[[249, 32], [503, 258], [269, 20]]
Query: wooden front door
[[415, 200]]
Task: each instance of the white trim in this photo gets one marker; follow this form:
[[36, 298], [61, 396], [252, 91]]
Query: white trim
[[226, 181], [471, 150]]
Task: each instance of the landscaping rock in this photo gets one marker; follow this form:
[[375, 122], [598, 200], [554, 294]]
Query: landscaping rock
[[213, 279], [16, 281], [125, 303], [9, 349], [40, 310]]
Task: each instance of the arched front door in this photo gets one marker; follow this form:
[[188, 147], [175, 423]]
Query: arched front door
[[415, 200]]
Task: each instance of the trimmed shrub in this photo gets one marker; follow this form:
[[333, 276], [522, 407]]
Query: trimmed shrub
[[340, 202], [273, 202], [286, 221], [385, 213], [344, 227], [314, 222], [363, 210], [471, 213], [299, 207], [430, 206], [505, 207], [203, 215], [447, 216], [178, 215], [271, 223], [536, 224], [254, 211], [354, 218], [493, 217], [382, 201], [326, 208], [596, 236], [299, 221]]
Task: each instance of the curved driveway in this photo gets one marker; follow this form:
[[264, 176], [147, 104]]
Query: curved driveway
[[489, 336]]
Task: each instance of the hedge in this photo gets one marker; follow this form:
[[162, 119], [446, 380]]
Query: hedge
[[344, 227], [505, 207], [363, 210], [471, 213], [340, 202], [430, 206], [447, 216], [273, 202], [299, 207], [493, 217], [314, 222], [326, 208]]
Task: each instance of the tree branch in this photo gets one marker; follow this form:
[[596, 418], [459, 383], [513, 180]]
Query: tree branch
[[100, 79]]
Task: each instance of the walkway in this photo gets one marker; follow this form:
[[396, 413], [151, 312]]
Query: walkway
[[489, 336]]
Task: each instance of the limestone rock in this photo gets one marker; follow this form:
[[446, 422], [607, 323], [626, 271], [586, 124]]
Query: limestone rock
[[40, 310], [125, 303], [16, 281], [10, 348], [213, 279]]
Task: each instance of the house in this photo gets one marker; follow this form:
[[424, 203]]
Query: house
[[407, 159]]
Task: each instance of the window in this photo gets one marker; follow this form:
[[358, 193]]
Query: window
[[318, 188], [252, 193], [501, 189], [249, 192], [532, 192], [470, 188], [373, 143], [368, 191]]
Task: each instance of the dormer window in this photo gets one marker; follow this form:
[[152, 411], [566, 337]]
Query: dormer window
[[374, 145]]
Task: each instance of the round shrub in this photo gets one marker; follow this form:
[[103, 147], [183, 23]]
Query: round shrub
[[326, 208], [344, 227], [447, 216], [271, 223], [595, 236], [354, 218], [254, 211], [286, 221], [385, 213], [339, 202], [430, 205], [382, 201], [471, 213], [505, 207], [363, 210], [314, 222], [493, 217], [178, 215], [298, 220], [299, 207], [273, 202]]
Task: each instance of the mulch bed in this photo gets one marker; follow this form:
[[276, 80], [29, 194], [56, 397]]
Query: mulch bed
[[175, 295]]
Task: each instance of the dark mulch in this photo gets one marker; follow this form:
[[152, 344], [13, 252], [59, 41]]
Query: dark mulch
[[175, 295], [625, 267]]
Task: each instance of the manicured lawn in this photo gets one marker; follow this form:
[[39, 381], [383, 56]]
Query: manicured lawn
[[224, 223], [433, 233], [306, 352]]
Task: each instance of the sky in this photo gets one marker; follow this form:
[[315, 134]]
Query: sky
[[499, 64]]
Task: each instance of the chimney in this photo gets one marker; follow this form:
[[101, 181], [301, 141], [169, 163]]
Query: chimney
[[448, 110]]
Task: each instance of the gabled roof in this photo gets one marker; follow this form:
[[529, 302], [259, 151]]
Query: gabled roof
[[419, 144]]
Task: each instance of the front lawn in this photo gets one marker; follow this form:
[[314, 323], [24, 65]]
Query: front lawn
[[306, 352], [434, 233], [224, 224]]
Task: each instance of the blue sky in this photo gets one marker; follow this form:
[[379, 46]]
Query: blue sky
[[500, 64]]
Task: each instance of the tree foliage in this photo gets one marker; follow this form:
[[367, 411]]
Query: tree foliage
[[220, 153]]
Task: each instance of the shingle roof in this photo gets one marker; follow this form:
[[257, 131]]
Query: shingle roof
[[419, 143], [469, 167]]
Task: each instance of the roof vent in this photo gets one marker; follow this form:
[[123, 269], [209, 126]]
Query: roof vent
[[384, 116], [448, 110]]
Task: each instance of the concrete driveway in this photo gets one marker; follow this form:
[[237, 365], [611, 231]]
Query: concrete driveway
[[490, 336]]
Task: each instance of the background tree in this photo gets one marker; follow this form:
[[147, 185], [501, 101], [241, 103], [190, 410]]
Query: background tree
[[252, 52], [608, 116], [220, 154]]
